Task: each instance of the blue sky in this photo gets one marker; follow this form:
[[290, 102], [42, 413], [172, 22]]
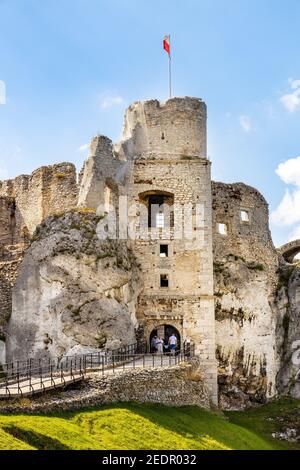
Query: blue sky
[[71, 67]]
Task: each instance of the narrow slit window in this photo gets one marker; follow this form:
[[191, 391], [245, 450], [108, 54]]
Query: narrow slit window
[[244, 216], [164, 280], [164, 251], [222, 229]]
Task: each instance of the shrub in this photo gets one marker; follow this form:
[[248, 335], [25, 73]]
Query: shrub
[[256, 266], [60, 175]]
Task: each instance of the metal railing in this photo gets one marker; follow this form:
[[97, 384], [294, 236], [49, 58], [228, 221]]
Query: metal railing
[[128, 349], [37, 375]]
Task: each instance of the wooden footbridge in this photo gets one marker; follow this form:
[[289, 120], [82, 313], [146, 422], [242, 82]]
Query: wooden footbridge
[[34, 376]]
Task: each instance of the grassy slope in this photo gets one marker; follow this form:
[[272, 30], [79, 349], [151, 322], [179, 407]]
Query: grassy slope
[[133, 426], [262, 420]]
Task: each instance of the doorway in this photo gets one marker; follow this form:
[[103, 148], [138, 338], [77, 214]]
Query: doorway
[[164, 331]]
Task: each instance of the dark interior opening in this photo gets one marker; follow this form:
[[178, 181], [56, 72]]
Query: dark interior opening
[[164, 251], [165, 331], [164, 280]]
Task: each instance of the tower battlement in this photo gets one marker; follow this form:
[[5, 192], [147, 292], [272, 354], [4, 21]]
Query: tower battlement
[[174, 129]]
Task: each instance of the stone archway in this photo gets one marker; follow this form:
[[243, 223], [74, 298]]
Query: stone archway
[[156, 209], [290, 250], [165, 331]]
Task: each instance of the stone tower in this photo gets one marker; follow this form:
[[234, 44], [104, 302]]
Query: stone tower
[[160, 174], [171, 186]]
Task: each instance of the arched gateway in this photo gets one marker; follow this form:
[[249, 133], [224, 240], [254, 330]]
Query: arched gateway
[[165, 331], [290, 250]]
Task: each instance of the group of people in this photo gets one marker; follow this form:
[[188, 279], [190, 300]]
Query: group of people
[[161, 345]]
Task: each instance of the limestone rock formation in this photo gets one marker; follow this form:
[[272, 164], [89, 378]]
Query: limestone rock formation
[[245, 333], [245, 279], [288, 330], [73, 290]]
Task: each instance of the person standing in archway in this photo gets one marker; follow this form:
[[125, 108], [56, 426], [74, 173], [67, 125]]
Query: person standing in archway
[[159, 345], [173, 343], [153, 344]]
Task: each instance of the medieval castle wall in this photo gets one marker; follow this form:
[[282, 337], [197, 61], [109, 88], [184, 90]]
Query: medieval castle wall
[[47, 190], [244, 212], [221, 269], [7, 220], [177, 128]]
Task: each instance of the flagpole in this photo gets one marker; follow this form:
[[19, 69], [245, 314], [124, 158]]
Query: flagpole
[[170, 75]]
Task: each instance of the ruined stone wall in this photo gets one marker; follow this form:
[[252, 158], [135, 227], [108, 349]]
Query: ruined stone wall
[[154, 129], [47, 190], [101, 177], [248, 239], [7, 220], [10, 259], [245, 271]]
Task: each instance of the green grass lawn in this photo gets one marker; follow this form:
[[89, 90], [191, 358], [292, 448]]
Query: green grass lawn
[[133, 426]]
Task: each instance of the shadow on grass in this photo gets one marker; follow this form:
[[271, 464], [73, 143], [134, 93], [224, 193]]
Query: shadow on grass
[[35, 439], [195, 423], [189, 422]]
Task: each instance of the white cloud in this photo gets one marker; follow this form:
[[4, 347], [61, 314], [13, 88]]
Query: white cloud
[[245, 122], [83, 147], [2, 92], [289, 171], [291, 101], [288, 210], [108, 101], [294, 83]]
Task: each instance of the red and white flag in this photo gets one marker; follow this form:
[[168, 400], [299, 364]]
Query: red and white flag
[[166, 44]]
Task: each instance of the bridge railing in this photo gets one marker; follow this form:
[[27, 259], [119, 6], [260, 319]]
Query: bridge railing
[[38, 375], [35, 375]]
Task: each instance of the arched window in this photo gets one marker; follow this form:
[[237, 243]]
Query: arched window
[[159, 211]]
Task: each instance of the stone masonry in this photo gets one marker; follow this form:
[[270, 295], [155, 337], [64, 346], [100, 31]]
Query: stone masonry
[[47, 190], [185, 388]]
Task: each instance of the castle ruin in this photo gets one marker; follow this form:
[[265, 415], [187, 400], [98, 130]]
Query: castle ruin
[[198, 257]]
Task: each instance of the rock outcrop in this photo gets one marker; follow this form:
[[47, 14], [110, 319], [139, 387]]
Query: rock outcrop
[[245, 279], [73, 290], [245, 334], [288, 330]]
